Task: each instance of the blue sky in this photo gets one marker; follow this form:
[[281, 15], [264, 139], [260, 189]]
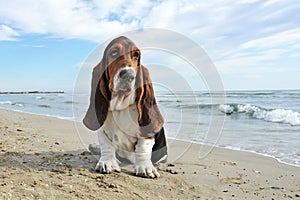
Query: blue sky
[[254, 44]]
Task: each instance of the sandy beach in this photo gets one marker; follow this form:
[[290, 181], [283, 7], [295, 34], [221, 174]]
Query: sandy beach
[[47, 158]]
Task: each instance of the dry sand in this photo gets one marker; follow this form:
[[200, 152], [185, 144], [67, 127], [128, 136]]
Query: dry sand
[[45, 158]]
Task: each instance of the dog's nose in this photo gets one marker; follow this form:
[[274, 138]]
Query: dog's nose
[[126, 75]]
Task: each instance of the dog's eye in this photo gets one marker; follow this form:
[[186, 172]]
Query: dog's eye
[[114, 53], [135, 55]]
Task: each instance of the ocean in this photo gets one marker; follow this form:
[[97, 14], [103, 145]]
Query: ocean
[[264, 122]]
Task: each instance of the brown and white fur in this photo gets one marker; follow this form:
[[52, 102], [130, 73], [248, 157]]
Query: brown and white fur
[[124, 109]]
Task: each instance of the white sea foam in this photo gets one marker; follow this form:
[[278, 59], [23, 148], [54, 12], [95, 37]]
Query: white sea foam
[[40, 97], [279, 115], [276, 115], [228, 109], [10, 103], [280, 157], [247, 108], [6, 102]]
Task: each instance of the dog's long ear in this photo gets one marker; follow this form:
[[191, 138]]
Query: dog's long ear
[[149, 116], [99, 99]]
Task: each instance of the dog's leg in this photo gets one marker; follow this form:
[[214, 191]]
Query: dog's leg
[[107, 162], [143, 163]]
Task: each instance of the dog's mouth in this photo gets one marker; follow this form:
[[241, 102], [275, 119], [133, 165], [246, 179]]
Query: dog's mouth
[[124, 88]]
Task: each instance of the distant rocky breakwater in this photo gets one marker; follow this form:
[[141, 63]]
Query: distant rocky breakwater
[[33, 92]]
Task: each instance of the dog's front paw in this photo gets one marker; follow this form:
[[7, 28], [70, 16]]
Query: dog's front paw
[[107, 166], [146, 169]]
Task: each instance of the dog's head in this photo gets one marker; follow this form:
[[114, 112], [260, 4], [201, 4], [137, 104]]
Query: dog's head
[[122, 60], [119, 74]]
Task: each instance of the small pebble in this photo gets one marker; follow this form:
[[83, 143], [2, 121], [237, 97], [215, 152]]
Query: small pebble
[[113, 185], [85, 153], [275, 188], [171, 171]]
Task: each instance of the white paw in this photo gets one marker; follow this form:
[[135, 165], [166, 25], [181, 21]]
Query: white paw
[[146, 169], [107, 166]]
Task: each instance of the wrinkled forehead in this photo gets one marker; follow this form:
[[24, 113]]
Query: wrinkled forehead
[[122, 44]]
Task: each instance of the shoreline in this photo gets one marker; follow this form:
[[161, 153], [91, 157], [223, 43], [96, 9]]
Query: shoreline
[[71, 119], [39, 114], [55, 156], [238, 150]]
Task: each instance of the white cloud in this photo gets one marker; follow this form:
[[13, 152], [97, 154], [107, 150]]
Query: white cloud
[[247, 1], [98, 20], [271, 2], [7, 33], [34, 46], [277, 13], [267, 54], [296, 55], [66, 19], [246, 62], [284, 38]]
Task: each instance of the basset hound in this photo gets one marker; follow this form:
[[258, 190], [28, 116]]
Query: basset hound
[[124, 109]]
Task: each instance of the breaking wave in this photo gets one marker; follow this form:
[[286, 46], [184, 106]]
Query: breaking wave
[[270, 115], [11, 103]]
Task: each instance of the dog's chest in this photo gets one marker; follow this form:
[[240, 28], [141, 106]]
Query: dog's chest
[[122, 127]]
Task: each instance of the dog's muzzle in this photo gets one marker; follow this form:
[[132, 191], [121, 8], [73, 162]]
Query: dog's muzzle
[[127, 75], [124, 80]]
